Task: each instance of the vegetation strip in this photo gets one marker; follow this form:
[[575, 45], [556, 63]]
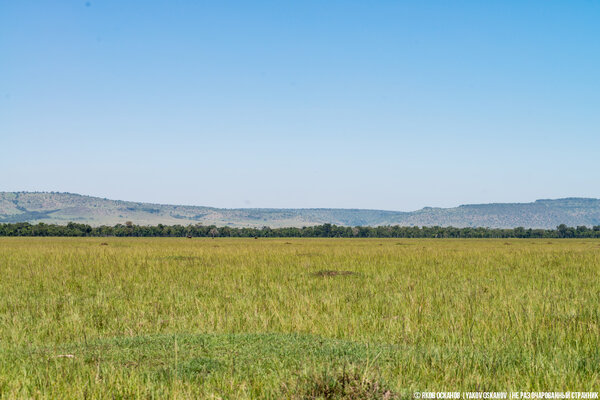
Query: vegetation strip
[[319, 231]]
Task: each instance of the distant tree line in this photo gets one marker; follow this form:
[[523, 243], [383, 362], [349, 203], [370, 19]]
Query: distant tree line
[[320, 231]]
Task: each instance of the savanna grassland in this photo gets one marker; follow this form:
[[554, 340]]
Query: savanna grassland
[[296, 318]]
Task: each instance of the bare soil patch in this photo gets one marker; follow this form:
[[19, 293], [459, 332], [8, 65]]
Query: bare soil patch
[[330, 272]]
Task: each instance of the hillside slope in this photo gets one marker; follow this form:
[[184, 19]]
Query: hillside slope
[[61, 208]]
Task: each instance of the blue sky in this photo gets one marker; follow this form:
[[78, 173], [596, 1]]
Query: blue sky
[[355, 104]]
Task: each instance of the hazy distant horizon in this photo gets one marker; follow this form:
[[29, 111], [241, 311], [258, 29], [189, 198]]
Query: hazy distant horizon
[[290, 208]]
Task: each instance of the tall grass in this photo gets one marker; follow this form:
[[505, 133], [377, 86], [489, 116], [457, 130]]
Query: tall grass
[[241, 318]]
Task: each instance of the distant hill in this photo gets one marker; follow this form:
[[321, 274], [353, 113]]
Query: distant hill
[[61, 208]]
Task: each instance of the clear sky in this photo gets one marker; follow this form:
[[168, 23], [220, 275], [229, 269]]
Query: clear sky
[[355, 104]]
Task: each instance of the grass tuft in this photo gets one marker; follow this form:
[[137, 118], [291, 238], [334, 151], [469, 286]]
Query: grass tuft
[[343, 385]]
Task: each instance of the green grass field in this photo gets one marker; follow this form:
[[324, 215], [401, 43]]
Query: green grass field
[[296, 318]]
